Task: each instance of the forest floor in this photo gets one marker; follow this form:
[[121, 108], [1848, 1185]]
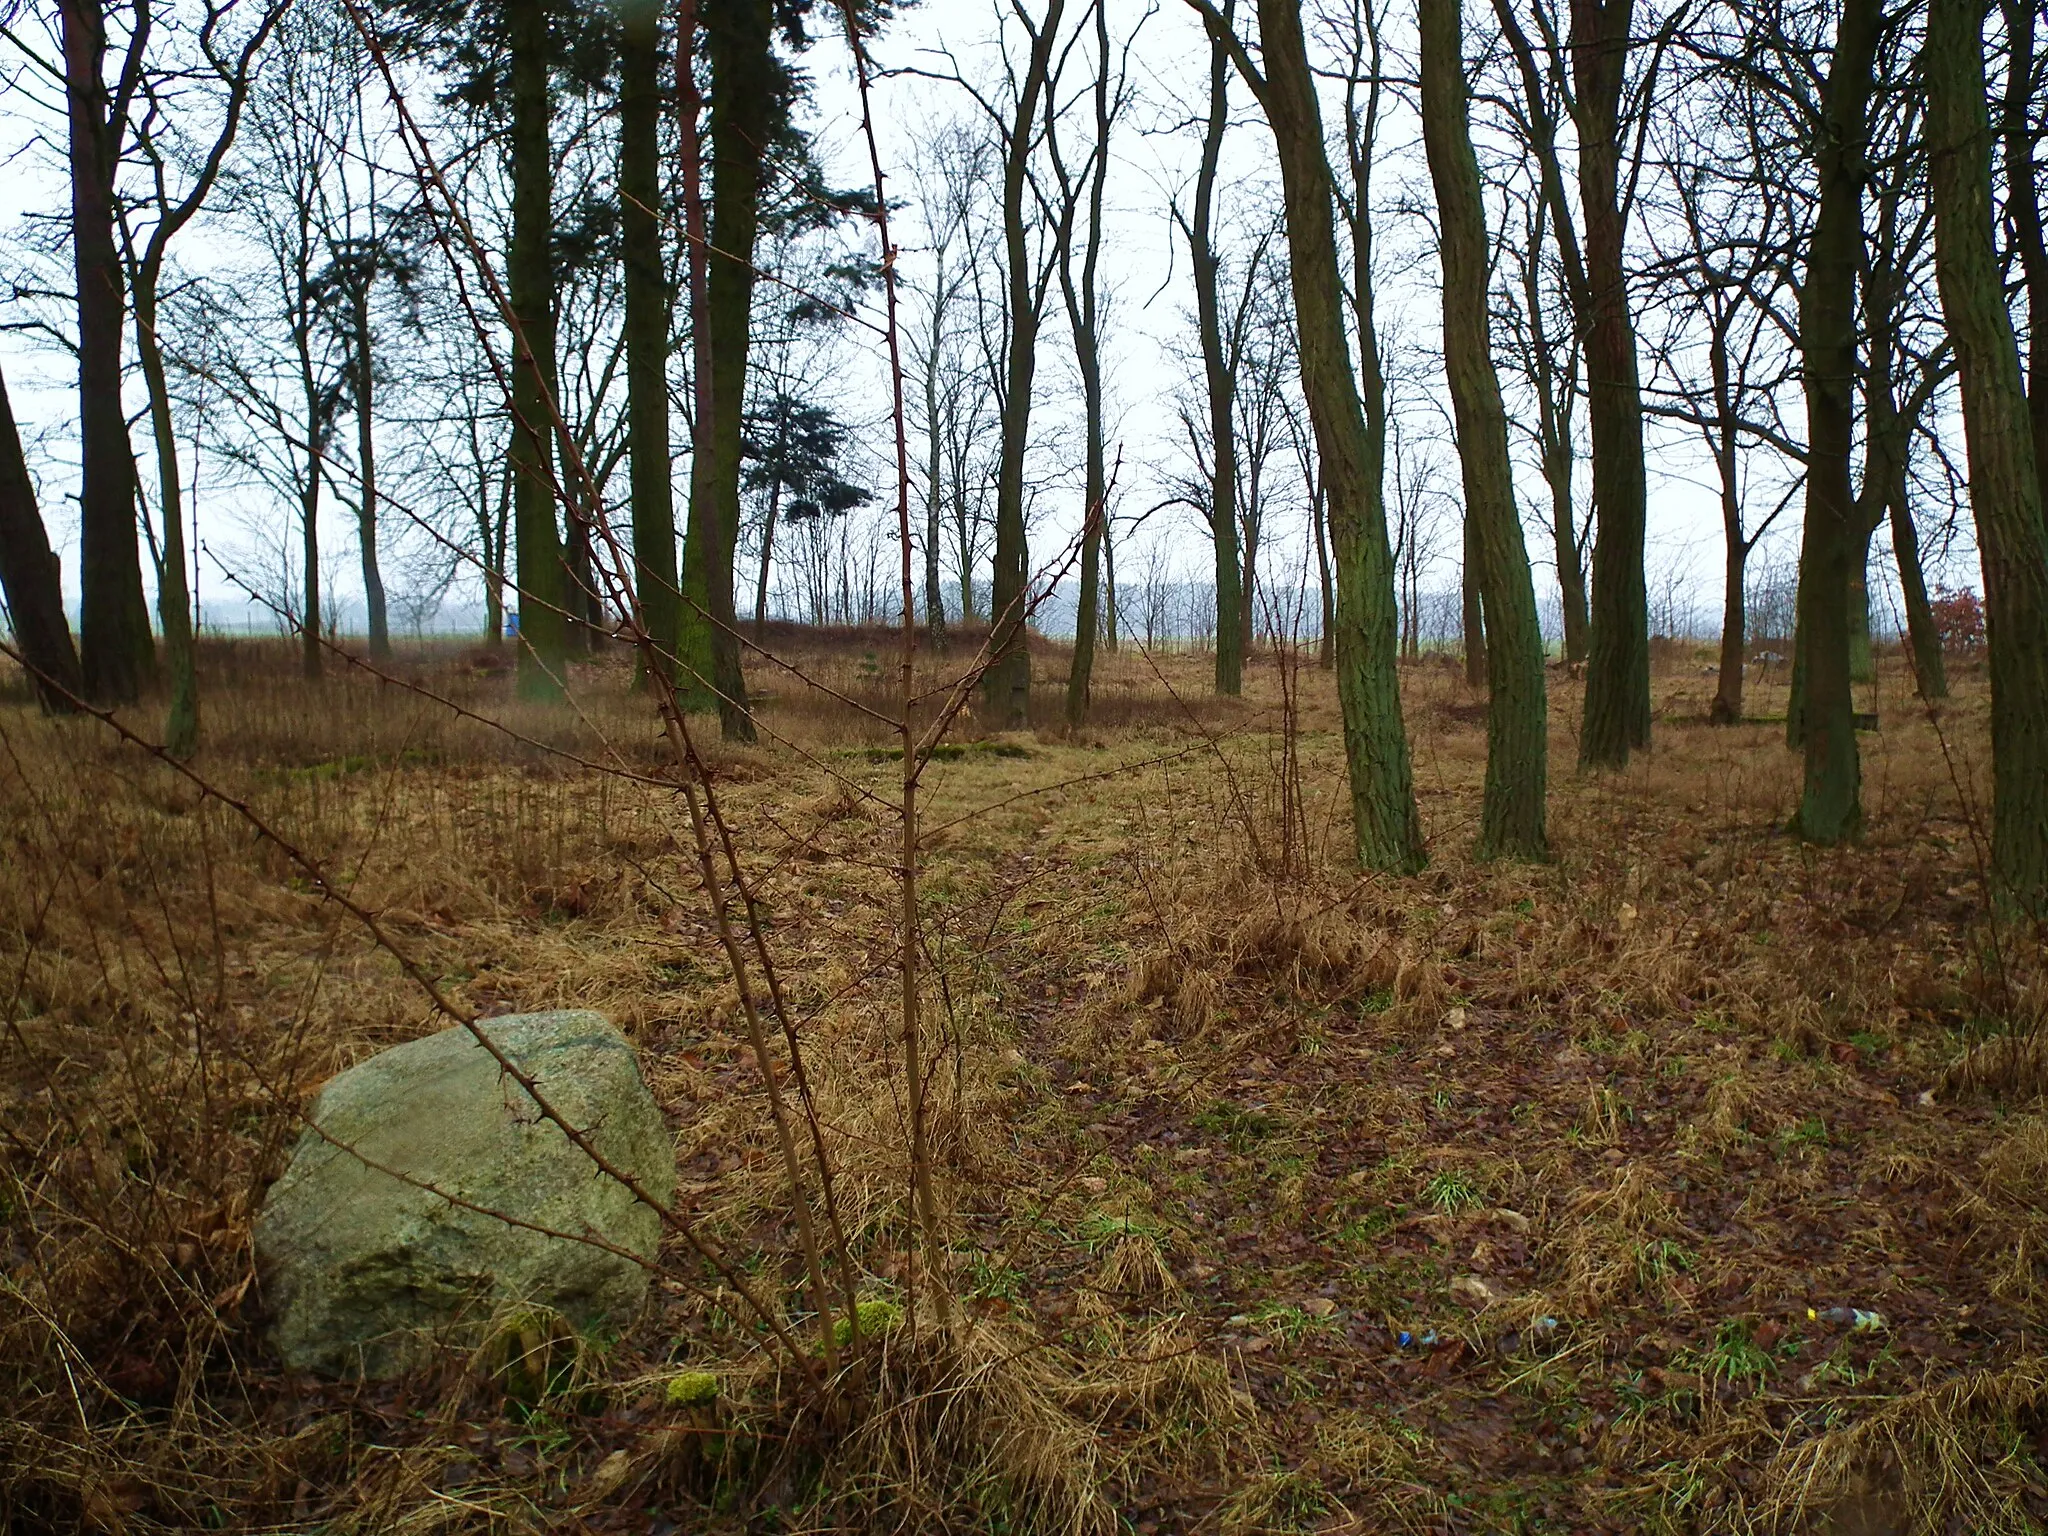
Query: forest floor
[[1276, 1198]]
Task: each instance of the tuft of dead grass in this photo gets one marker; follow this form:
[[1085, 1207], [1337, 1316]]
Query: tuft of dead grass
[[1945, 1457]]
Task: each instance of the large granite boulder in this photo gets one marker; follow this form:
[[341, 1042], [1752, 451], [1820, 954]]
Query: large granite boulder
[[362, 1270]]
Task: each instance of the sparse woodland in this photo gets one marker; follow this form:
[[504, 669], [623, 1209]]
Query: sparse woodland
[[1066, 613]]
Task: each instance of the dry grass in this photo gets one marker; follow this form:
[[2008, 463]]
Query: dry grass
[[1214, 1126]]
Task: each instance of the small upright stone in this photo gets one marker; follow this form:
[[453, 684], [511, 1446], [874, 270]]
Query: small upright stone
[[363, 1268]]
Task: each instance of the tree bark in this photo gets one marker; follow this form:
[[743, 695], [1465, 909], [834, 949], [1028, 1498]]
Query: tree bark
[[748, 94], [173, 597], [366, 460], [1006, 685], [1361, 130], [543, 595], [1084, 317], [319, 422], [1109, 612], [1387, 827], [1218, 381], [768, 520], [2005, 487], [116, 651], [2023, 208], [29, 576], [1830, 806], [647, 320], [1517, 753], [1617, 715], [1554, 397], [1471, 604], [1727, 707], [935, 470], [1326, 633], [1930, 669]]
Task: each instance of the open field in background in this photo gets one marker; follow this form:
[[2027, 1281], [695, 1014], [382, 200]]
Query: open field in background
[[1218, 1121]]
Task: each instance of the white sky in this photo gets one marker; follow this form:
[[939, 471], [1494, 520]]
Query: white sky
[[1150, 334]]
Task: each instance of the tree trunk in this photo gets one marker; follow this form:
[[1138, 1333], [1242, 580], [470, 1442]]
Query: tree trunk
[[1517, 754], [1084, 316], [117, 652], [173, 591], [1727, 707], [1471, 605], [1361, 134], [543, 595], [1554, 417], [1555, 399], [1830, 807], [310, 660], [747, 99], [1930, 670], [1617, 718], [647, 324], [29, 577], [491, 533], [2023, 208], [1006, 685], [1862, 656], [1386, 824], [2005, 488], [964, 534], [1109, 613], [697, 274], [366, 464], [1326, 639], [768, 520], [1249, 519], [935, 498]]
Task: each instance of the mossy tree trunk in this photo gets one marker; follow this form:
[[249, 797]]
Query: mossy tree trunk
[[1517, 753], [647, 319], [1830, 806], [2021, 128], [2005, 487], [1471, 601], [1006, 685], [1617, 714], [1386, 825], [530, 280], [116, 649]]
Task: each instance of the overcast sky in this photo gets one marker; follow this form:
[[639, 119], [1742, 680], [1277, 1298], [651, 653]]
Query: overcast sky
[[1150, 327]]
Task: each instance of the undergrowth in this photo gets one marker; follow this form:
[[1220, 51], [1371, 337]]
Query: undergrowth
[[1278, 1198]]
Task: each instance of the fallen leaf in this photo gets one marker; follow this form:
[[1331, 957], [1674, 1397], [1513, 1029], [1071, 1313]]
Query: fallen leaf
[[1319, 1306], [1475, 1290], [1443, 1357], [609, 1474]]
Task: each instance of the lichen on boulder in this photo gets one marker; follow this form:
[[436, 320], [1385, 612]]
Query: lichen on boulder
[[366, 1260]]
